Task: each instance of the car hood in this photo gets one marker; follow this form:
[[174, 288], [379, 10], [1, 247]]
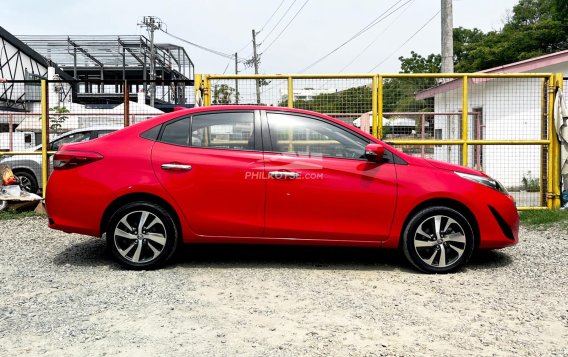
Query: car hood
[[451, 167]]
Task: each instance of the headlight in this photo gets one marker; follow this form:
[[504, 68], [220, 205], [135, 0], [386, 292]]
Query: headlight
[[485, 181]]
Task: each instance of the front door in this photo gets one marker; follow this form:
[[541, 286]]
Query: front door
[[211, 164], [320, 186]]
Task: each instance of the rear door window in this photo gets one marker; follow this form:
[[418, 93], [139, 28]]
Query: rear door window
[[233, 131]]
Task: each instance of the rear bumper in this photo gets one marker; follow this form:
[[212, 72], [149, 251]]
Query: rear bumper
[[75, 208]]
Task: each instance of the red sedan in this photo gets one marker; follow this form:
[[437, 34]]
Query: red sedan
[[253, 174]]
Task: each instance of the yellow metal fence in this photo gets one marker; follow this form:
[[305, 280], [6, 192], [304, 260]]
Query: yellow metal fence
[[501, 124]]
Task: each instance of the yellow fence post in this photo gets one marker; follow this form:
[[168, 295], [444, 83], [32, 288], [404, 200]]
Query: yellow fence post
[[206, 90], [552, 141], [196, 83], [379, 122], [544, 136], [374, 105], [290, 92], [44, 136], [555, 154], [465, 113]]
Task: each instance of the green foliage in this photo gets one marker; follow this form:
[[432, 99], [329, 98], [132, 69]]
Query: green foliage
[[536, 27], [222, 94], [400, 93], [57, 119], [530, 183], [8, 214], [465, 42], [352, 100], [418, 64]]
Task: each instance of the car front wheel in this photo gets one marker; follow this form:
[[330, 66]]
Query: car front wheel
[[142, 235], [438, 240]]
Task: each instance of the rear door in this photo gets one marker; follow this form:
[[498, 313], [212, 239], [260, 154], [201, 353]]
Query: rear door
[[211, 164]]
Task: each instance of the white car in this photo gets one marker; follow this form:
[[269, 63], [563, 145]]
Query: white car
[[27, 168]]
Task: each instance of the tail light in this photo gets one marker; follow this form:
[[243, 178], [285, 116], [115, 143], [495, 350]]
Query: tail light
[[64, 160]]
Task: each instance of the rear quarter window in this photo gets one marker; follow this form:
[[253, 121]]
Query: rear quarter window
[[176, 133], [152, 134]]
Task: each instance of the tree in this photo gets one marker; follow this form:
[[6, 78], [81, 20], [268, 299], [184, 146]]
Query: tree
[[465, 41], [351, 100], [400, 93], [418, 64], [535, 28], [222, 94], [56, 120]]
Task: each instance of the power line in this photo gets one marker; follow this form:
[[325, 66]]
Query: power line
[[373, 23], [284, 29], [281, 18], [227, 66], [271, 16], [405, 42], [218, 53], [378, 37], [245, 46]]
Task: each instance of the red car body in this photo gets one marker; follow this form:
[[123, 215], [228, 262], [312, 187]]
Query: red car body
[[358, 203]]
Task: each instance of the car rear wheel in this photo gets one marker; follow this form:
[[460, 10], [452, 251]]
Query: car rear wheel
[[438, 240], [142, 235], [28, 182]]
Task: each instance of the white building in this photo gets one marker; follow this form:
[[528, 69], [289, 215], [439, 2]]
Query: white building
[[500, 109]]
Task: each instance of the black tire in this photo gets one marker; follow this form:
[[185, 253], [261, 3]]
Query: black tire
[[28, 181], [445, 252], [159, 233]]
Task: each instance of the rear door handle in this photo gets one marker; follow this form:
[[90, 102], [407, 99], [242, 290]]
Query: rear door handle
[[284, 175], [176, 167]]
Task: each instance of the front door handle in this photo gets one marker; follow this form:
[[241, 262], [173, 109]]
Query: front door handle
[[176, 167], [284, 175]]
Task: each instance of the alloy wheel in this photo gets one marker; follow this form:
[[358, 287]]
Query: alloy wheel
[[440, 241], [140, 236]]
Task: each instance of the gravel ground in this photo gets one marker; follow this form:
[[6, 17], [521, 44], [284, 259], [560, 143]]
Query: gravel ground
[[62, 294]]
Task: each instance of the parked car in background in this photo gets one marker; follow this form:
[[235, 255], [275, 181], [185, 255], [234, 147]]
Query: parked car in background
[[27, 168], [254, 174]]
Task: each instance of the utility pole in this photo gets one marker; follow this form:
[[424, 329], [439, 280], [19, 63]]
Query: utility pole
[[447, 37], [236, 80], [255, 60], [152, 24]]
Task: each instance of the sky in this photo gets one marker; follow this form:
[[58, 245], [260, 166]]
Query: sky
[[319, 27]]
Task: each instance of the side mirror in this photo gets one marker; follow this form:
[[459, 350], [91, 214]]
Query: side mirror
[[374, 152]]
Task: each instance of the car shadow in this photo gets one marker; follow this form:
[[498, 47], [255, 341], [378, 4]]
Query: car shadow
[[93, 252], [489, 259], [300, 257], [89, 252]]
